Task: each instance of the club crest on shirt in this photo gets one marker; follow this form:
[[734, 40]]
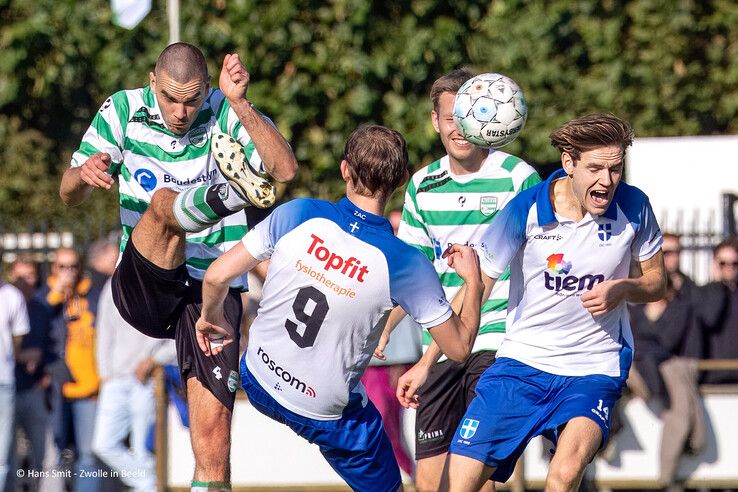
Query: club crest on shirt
[[198, 137], [604, 232], [488, 205]]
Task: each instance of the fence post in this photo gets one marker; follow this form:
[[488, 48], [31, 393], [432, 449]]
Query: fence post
[[729, 228], [161, 432]]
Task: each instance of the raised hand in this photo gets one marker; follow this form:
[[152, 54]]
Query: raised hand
[[234, 78], [464, 260]]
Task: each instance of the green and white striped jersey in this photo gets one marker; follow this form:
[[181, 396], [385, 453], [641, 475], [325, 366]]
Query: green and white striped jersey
[[146, 157], [442, 209]]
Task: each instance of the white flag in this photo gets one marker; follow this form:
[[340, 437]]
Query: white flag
[[128, 13]]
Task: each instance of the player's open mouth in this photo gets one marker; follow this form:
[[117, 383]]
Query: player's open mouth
[[599, 198], [461, 142]]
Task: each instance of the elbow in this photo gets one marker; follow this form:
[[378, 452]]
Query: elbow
[[286, 172], [216, 276], [456, 357], [459, 353], [212, 278], [66, 199], [660, 291]]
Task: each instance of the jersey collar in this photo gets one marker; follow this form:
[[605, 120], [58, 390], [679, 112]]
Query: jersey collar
[[546, 213], [363, 216]]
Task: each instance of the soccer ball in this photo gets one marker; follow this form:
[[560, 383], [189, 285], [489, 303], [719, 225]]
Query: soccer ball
[[490, 110]]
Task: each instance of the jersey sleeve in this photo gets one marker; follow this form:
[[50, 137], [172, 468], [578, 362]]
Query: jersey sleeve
[[529, 180], [106, 133], [412, 228], [648, 239], [260, 240], [504, 236], [637, 209], [419, 292]]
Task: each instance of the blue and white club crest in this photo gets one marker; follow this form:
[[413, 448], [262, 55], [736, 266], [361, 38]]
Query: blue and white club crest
[[468, 428], [604, 232]]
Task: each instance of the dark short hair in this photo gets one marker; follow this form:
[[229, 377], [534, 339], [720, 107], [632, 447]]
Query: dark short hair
[[377, 160], [99, 248], [591, 132], [183, 62], [451, 82], [729, 242], [24, 259]]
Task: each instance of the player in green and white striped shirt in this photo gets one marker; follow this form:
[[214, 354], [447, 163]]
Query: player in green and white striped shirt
[[452, 201], [183, 183]]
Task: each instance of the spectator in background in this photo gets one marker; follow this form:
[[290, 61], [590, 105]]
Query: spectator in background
[[13, 326], [126, 405], [380, 378], [683, 285], [717, 311], [73, 297], [664, 334], [31, 380]]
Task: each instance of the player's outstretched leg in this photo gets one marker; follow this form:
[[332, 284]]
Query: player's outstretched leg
[[199, 208]]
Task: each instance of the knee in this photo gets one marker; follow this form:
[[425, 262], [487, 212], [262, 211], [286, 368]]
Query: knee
[[161, 203], [565, 474]]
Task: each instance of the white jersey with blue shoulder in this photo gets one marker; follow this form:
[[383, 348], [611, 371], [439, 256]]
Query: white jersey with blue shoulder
[[335, 272], [553, 261]]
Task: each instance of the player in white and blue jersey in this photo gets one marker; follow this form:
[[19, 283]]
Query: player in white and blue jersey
[[336, 271], [569, 242]]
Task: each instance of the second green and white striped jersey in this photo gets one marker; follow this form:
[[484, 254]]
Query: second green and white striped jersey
[[442, 208], [146, 157]]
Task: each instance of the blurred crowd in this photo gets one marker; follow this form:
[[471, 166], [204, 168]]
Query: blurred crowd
[[76, 378], [690, 324], [76, 390]]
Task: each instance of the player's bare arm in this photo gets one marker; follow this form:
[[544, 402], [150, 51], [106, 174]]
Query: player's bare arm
[[394, 318], [648, 287], [212, 324], [78, 182], [455, 336], [410, 382], [275, 152]]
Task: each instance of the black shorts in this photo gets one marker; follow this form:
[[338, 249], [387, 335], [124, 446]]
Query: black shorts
[[443, 401], [165, 303]]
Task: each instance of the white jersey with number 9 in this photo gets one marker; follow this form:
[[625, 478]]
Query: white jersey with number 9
[[335, 272]]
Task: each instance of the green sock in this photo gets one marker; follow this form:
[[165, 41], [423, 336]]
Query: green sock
[[196, 486]]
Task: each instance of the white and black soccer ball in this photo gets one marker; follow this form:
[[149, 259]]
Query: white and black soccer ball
[[490, 110]]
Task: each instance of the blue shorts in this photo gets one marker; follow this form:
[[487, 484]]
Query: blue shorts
[[355, 445], [516, 403]]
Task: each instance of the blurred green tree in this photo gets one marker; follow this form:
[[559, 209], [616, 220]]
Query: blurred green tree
[[320, 68]]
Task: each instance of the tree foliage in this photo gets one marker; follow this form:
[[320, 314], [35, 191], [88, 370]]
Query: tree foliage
[[319, 69]]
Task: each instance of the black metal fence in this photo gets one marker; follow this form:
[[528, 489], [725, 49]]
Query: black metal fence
[[699, 234], [41, 238]]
